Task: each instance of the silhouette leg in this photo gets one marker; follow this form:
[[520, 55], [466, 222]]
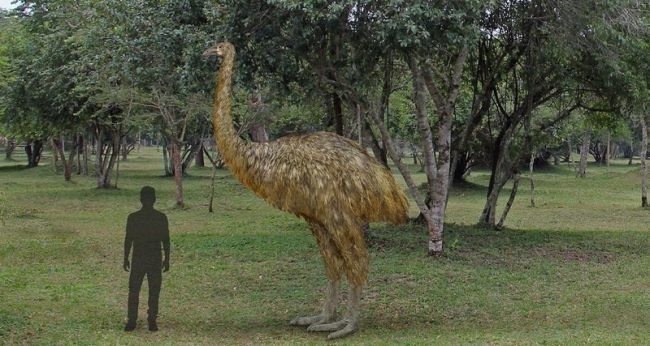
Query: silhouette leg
[[135, 282], [154, 279]]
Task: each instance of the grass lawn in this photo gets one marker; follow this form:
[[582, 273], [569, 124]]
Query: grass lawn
[[573, 270]]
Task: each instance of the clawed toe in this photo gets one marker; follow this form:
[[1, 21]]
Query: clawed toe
[[327, 327], [307, 321], [347, 330]]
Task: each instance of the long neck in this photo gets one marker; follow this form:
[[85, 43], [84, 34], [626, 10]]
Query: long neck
[[231, 147]]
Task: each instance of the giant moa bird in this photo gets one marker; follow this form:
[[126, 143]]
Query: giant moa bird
[[322, 177]]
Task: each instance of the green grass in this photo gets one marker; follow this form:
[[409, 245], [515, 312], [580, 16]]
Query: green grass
[[573, 270]]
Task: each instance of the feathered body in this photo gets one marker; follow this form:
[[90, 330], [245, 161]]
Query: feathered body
[[322, 177]]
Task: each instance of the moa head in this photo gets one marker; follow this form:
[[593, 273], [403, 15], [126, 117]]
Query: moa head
[[220, 49]]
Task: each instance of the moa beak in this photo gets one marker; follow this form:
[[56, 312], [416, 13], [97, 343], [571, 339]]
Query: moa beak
[[212, 51]]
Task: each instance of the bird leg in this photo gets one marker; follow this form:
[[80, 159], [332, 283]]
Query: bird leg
[[329, 309], [348, 324]]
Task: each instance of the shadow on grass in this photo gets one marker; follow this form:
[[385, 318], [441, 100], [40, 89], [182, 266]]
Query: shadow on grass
[[14, 168], [480, 245], [465, 186]]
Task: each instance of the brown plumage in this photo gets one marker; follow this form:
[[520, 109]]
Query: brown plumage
[[322, 177]]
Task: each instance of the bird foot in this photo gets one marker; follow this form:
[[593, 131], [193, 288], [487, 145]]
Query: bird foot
[[309, 320], [340, 328], [345, 328], [327, 327]]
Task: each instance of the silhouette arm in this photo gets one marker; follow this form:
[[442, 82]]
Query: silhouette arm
[[128, 242], [165, 242]]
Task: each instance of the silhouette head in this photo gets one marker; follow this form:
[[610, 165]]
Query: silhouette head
[[220, 49], [148, 196]]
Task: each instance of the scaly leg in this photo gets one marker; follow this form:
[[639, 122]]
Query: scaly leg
[[329, 309], [347, 325]]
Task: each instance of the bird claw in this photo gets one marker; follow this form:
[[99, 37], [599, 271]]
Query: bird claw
[[308, 320], [327, 327], [349, 328]]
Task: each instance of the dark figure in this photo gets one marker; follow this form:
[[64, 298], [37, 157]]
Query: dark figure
[[146, 229]]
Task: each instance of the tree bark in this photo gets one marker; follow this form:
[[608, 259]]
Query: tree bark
[[461, 170], [500, 174], [33, 150], [85, 156], [337, 110], [570, 152], [377, 150], [78, 154], [259, 133], [178, 172], [98, 148], [644, 165], [359, 126], [9, 149], [165, 151], [513, 194], [199, 160], [117, 165], [258, 130], [67, 162], [214, 173], [609, 145], [55, 156], [531, 165], [106, 157], [584, 151]]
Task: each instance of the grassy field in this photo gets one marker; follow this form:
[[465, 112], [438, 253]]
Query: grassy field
[[573, 270]]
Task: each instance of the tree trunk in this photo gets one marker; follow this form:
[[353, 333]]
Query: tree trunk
[[79, 149], [460, 171], [258, 133], [106, 158], [214, 173], [67, 162], [178, 172], [337, 108], [166, 164], [33, 150], [359, 126], [513, 193], [501, 172], [199, 160], [377, 149], [9, 149], [644, 166], [258, 130], [99, 151], [584, 151], [608, 151], [124, 149], [570, 152], [55, 156], [531, 165], [84, 169]]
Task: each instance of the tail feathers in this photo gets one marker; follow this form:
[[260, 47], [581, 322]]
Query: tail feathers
[[393, 205]]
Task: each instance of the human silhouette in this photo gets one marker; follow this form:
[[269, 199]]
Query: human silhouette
[[146, 230]]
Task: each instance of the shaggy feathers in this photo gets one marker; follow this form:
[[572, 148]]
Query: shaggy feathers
[[322, 177]]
